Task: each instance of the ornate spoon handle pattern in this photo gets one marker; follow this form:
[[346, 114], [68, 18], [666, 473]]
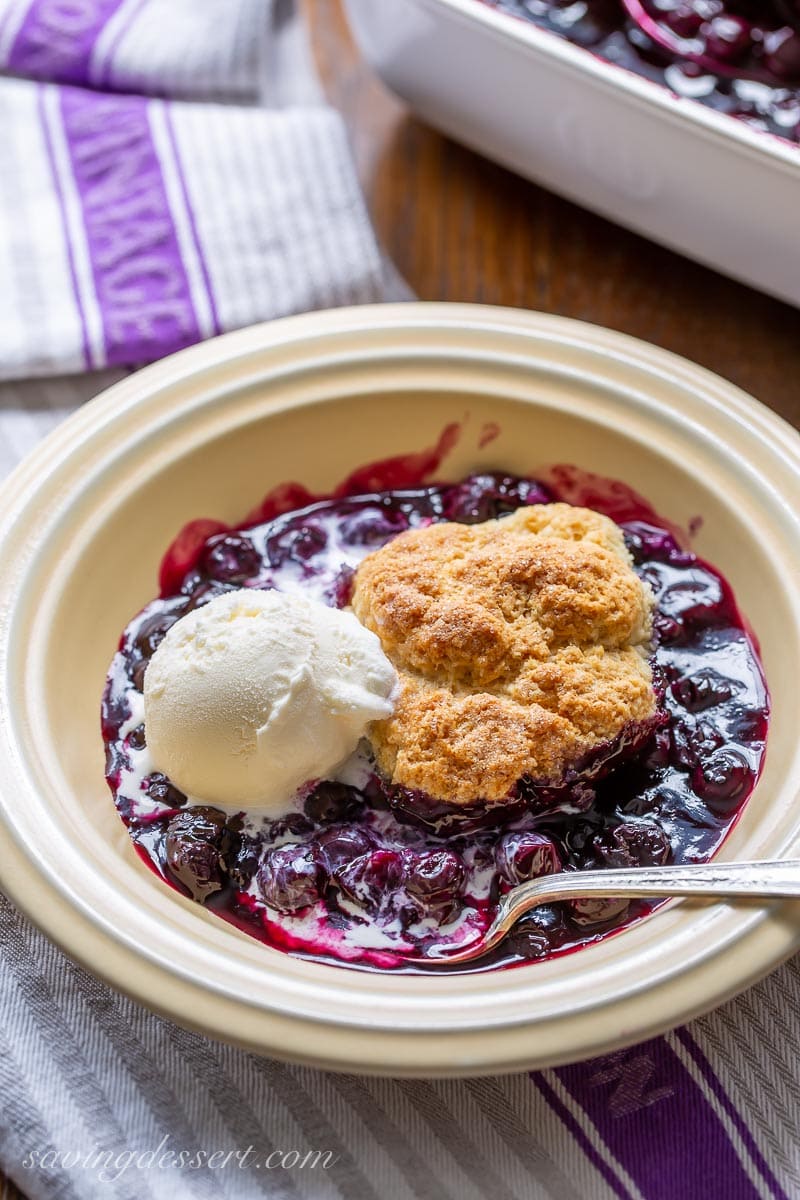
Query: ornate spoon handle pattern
[[777, 880]]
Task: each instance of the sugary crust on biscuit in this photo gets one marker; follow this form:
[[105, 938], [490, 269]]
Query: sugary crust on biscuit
[[520, 644]]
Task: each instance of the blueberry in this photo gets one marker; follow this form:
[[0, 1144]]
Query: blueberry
[[646, 541], [633, 844], [547, 919], [242, 859], [136, 669], [581, 796], [162, 791], [728, 37], [722, 780], [289, 878], [782, 52], [472, 501], [331, 801], [230, 558], [191, 581], [207, 591], [373, 527], [528, 943], [654, 575], [539, 931], [340, 593], [521, 856], [698, 599], [684, 20], [294, 824], [153, 629], [372, 879], [341, 844], [484, 497], [434, 879], [703, 689], [667, 631], [642, 804], [682, 806], [196, 841], [692, 741], [417, 506], [115, 710], [579, 838], [576, 797], [137, 740], [749, 725], [298, 544], [482, 852], [655, 755]]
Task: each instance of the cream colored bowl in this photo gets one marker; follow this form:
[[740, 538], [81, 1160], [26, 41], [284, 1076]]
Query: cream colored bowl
[[84, 521]]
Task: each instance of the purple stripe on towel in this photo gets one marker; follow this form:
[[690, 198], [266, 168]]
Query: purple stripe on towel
[[56, 39], [715, 1086], [140, 280], [580, 1137], [656, 1122]]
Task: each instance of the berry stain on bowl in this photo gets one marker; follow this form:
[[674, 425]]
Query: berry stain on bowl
[[364, 871]]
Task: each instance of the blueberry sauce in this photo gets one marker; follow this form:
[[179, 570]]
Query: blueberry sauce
[[359, 877], [740, 57]]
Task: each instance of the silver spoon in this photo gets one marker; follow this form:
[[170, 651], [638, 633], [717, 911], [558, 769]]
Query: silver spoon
[[778, 880]]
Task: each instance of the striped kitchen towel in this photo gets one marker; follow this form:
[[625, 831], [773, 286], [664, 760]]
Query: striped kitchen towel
[[131, 226], [179, 48]]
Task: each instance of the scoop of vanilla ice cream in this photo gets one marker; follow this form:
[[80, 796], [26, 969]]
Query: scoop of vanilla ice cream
[[258, 692]]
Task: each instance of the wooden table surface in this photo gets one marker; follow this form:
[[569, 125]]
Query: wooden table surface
[[460, 228]]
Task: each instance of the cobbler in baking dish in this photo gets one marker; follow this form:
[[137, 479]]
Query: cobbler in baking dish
[[740, 57], [496, 679]]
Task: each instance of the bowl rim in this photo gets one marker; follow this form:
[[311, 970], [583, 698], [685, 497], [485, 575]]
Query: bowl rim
[[371, 1043]]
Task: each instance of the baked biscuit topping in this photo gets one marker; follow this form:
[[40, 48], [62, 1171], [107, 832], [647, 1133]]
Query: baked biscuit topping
[[521, 645]]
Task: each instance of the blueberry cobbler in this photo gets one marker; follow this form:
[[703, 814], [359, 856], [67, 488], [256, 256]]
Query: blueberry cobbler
[[740, 57], [352, 724]]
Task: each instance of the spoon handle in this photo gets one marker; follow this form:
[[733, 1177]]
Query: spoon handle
[[778, 880], [758, 880]]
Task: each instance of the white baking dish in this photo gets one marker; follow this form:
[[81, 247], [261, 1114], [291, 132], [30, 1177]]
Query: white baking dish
[[698, 181]]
